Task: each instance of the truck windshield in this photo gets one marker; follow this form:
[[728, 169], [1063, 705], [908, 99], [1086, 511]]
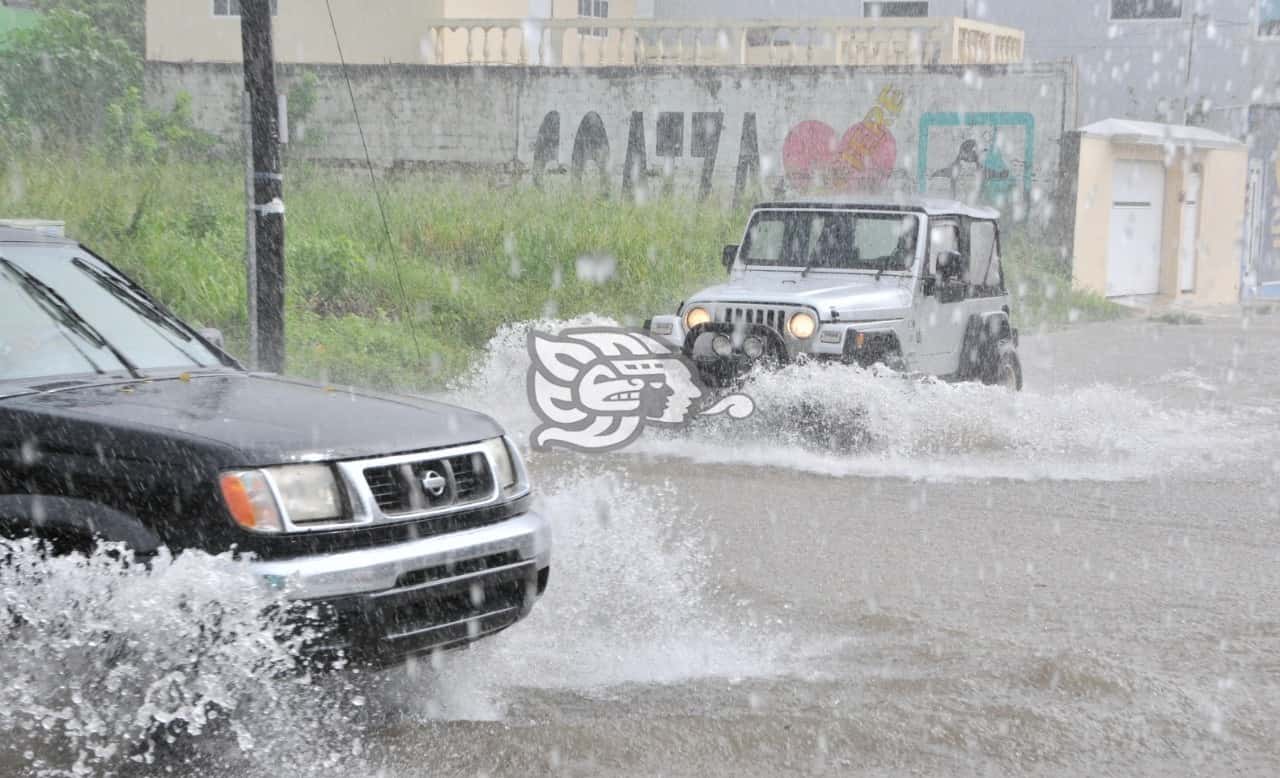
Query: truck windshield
[[65, 312], [840, 240]]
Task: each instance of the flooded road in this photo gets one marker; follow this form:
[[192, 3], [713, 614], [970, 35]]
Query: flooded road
[[1082, 579], [1057, 599]]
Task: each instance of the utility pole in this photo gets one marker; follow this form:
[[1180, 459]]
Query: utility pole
[[268, 183], [1186, 76]]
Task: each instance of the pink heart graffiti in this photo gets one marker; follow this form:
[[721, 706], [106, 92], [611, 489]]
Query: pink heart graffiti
[[860, 160]]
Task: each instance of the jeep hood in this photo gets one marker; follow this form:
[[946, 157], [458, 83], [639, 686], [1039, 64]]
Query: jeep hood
[[856, 297], [256, 419]]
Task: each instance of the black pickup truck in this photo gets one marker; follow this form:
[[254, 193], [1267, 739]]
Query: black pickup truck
[[409, 520]]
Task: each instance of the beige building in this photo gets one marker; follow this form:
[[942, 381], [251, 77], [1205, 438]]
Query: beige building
[[563, 32], [1159, 213]]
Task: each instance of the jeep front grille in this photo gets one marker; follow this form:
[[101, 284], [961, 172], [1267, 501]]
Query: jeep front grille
[[773, 318]]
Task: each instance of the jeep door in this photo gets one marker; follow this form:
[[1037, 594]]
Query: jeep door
[[984, 276], [940, 304]]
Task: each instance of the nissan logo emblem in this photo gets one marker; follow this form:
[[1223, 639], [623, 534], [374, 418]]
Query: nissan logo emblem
[[434, 483]]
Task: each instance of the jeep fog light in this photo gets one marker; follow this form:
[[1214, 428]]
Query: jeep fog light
[[307, 492], [753, 347], [802, 326], [249, 500], [661, 328], [696, 316], [832, 336], [722, 345]]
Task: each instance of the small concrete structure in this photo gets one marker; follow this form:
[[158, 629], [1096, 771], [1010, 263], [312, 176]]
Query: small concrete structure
[[1141, 234]]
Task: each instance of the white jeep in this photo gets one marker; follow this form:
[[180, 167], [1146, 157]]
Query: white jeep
[[915, 284]]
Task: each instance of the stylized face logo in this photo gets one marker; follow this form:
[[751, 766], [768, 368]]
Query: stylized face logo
[[596, 388]]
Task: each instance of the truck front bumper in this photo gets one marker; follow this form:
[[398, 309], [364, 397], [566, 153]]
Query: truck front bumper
[[380, 605]]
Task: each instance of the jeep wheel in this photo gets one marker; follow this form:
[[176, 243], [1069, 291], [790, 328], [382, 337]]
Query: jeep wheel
[[1004, 368]]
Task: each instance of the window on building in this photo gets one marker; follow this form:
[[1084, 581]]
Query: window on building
[[1269, 18], [232, 7], [890, 9], [593, 9], [1122, 10]]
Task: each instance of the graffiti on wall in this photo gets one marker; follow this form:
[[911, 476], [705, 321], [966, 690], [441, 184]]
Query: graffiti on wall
[[973, 157], [976, 157], [589, 159], [861, 160]]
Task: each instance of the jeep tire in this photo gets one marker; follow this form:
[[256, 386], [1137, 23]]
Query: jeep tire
[[1003, 368]]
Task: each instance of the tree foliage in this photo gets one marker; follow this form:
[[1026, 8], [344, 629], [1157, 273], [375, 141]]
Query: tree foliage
[[124, 20], [59, 76], [74, 79]]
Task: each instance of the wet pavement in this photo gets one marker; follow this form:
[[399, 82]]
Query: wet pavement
[[1083, 579], [930, 620]]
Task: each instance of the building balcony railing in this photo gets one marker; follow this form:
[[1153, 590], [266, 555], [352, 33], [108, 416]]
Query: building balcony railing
[[604, 42]]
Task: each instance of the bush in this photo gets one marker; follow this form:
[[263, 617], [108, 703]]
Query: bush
[[62, 74], [68, 81]]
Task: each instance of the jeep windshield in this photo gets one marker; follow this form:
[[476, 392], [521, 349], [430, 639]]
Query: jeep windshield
[[65, 312], [831, 240]]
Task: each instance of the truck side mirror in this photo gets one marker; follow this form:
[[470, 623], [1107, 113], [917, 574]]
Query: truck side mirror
[[729, 256], [214, 336]]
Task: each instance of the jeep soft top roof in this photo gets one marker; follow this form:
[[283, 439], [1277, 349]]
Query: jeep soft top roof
[[931, 206]]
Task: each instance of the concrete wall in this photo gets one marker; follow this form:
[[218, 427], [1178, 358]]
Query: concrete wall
[[1221, 224], [989, 134], [1221, 216]]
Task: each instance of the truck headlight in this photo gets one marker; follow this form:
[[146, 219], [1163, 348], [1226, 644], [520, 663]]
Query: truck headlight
[[260, 500], [802, 325], [696, 316], [508, 469]]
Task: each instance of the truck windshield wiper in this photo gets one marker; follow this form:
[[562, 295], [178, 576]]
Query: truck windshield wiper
[[57, 306], [139, 303]]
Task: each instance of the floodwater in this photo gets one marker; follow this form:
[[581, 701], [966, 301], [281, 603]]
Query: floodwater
[[932, 579]]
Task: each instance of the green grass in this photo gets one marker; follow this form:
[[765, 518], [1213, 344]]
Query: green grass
[[470, 257], [1039, 282]]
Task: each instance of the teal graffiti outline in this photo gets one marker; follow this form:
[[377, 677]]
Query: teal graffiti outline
[[995, 120]]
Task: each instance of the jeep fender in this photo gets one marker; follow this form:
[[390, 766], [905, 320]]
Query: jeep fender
[[982, 334], [73, 522]]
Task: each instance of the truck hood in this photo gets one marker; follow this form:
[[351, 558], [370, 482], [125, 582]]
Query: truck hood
[[264, 419], [855, 297]]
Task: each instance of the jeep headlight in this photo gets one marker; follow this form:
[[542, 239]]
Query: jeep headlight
[[508, 469], [802, 326], [264, 500], [696, 316]]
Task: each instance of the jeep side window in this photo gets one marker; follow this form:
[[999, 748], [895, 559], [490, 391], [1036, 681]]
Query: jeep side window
[[943, 237], [984, 261]]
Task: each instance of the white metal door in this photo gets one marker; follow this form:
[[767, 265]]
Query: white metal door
[[1187, 250], [1137, 220]]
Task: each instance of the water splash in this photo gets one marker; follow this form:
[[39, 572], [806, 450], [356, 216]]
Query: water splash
[[105, 658], [629, 601], [841, 420]]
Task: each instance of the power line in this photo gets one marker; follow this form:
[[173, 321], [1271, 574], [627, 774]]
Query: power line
[[377, 196]]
